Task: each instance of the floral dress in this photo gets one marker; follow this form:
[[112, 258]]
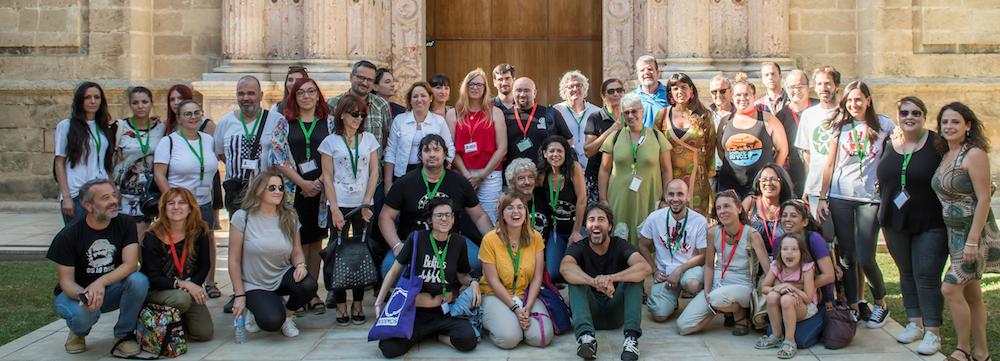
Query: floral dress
[[692, 158]]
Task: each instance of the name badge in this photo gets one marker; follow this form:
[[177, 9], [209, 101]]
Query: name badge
[[446, 308], [523, 145], [203, 191], [306, 167], [634, 185], [541, 123], [249, 164], [471, 147], [641, 139], [901, 199]]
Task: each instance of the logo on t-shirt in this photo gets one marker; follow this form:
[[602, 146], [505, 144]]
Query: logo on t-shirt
[[744, 149], [422, 206], [820, 140], [430, 272], [539, 221], [101, 257]]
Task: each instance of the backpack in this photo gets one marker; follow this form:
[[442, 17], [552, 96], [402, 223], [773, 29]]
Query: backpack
[[161, 331], [559, 312]]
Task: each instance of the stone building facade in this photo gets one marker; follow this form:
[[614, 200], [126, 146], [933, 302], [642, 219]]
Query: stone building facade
[[940, 50]]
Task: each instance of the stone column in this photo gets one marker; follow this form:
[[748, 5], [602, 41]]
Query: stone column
[[690, 40], [768, 28], [408, 39], [242, 29], [619, 38]]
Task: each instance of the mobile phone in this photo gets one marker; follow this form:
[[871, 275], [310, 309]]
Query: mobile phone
[[83, 298]]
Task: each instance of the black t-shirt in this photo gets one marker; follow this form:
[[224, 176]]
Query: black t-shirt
[[455, 262], [614, 261], [92, 253], [565, 213], [545, 123], [922, 211], [408, 195], [158, 263], [796, 166], [597, 124], [396, 109], [499, 104]]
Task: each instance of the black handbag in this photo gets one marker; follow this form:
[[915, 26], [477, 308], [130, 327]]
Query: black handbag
[[348, 263]]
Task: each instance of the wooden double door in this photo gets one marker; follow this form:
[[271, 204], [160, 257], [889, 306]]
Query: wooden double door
[[542, 39]]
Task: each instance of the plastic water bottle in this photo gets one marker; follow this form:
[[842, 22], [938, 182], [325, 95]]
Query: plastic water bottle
[[241, 329]]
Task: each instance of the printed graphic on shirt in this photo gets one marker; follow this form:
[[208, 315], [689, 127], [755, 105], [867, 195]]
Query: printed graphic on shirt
[[101, 257], [431, 272], [564, 211], [821, 140], [422, 207], [744, 149]]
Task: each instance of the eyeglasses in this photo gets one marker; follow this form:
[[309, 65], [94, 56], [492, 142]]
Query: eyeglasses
[[476, 85], [359, 115], [309, 92], [629, 113], [719, 91], [770, 179], [275, 187], [443, 216], [612, 91], [797, 87], [194, 114], [364, 79], [914, 113]]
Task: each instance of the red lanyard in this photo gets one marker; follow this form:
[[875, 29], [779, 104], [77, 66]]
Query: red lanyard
[[772, 232], [722, 246], [473, 121], [795, 115], [524, 127], [173, 252]]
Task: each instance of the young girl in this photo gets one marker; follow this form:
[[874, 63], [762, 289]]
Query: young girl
[[791, 294]]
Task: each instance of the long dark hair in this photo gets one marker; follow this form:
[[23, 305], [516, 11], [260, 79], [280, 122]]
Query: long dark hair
[[783, 179], [79, 133], [802, 209], [694, 105], [569, 158], [841, 116], [976, 137]]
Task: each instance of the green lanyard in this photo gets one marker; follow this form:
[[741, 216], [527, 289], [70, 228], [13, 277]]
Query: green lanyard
[[906, 160], [356, 155], [516, 260], [531, 217], [678, 233], [620, 120], [860, 143], [554, 192], [200, 154], [250, 133], [635, 147], [579, 120], [143, 146], [95, 134], [431, 193], [308, 134], [440, 256]]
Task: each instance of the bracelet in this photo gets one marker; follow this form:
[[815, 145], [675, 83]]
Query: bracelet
[[824, 198], [514, 307], [398, 244], [972, 244], [303, 264], [238, 296]]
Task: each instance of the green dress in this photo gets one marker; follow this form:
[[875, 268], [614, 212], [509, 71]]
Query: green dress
[[958, 203], [631, 208]]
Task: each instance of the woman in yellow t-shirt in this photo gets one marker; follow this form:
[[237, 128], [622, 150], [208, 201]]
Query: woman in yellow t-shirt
[[513, 264]]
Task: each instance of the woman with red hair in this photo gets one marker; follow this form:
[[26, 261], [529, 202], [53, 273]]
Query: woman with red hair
[[295, 152]]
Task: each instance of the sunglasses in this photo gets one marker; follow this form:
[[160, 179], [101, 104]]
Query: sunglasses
[[719, 91], [359, 115], [612, 91], [915, 113], [275, 187]]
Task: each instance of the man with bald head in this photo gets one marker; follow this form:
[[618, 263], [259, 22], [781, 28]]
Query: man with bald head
[[677, 235], [528, 123], [243, 140], [797, 88]]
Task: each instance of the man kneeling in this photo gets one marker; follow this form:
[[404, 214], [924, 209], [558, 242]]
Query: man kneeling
[[605, 274], [98, 258]]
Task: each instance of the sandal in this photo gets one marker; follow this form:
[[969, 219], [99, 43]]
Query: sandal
[[318, 308], [968, 356], [788, 350], [358, 318], [741, 327], [343, 319], [213, 290], [767, 342]]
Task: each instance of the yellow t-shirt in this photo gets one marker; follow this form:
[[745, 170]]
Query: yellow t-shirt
[[494, 251]]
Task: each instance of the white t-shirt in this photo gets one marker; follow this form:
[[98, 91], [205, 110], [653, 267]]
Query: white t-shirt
[[232, 143], [853, 178], [89, 167], [658, 227], [350, 189], [183, 166], [814, 138], [576, 126]]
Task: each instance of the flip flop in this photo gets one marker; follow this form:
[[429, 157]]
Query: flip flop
[[212, 290]]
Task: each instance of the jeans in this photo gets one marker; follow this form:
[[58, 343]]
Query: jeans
[[555, 249], [920, 258], [625, 308], [471, 248], [128, 295], [78, 212], [856, 225]]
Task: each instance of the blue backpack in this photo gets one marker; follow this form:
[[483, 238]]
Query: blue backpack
[[559, 312]]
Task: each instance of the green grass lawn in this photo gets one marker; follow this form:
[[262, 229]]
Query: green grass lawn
[[991, 294], [25, 297]]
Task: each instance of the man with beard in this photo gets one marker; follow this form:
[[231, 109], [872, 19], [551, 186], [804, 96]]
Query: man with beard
[[605, 276], [528, 124], [774, 98], [379, 115], [677, 234], [813, 137], [98, 259], [503, 80], [797, 88], [653, 93]]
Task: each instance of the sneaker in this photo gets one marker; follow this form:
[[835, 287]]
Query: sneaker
[[630, 349], [588, 347], [75, 343], [126, 348], [910, 334], [288, 328], [855, 316], [877, 319], [864, 312], [228, 307], [930, 345], [251, 322]]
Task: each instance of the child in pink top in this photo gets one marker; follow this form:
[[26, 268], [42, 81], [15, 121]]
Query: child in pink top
[[790, 287]]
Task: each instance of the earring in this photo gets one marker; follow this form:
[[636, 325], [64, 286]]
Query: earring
[[968, 134]]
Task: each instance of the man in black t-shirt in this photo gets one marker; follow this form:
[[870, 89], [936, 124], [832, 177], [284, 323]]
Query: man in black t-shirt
[[528, 124], [606, 272], [409, 195], [98, 259]]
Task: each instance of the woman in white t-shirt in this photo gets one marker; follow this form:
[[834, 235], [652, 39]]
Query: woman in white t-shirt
[[350, 173], [849, 194], [135, 140], [83, 148]]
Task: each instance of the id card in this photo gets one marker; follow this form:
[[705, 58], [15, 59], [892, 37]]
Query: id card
[[517, 301], [471, 147], [446, 308], [541, 123], [901, 199], [523, 145], [249, 164], [203, 191], [307, 167], [634, 185]]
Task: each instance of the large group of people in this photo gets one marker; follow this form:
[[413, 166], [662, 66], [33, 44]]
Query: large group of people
[[764, 207]]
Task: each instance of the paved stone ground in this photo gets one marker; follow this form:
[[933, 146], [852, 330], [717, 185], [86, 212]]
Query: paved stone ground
[[27, 228]]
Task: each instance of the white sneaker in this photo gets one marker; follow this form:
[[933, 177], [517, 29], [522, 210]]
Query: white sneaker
[[930, 344], [288, 328], [910, 334], [251, 322]]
